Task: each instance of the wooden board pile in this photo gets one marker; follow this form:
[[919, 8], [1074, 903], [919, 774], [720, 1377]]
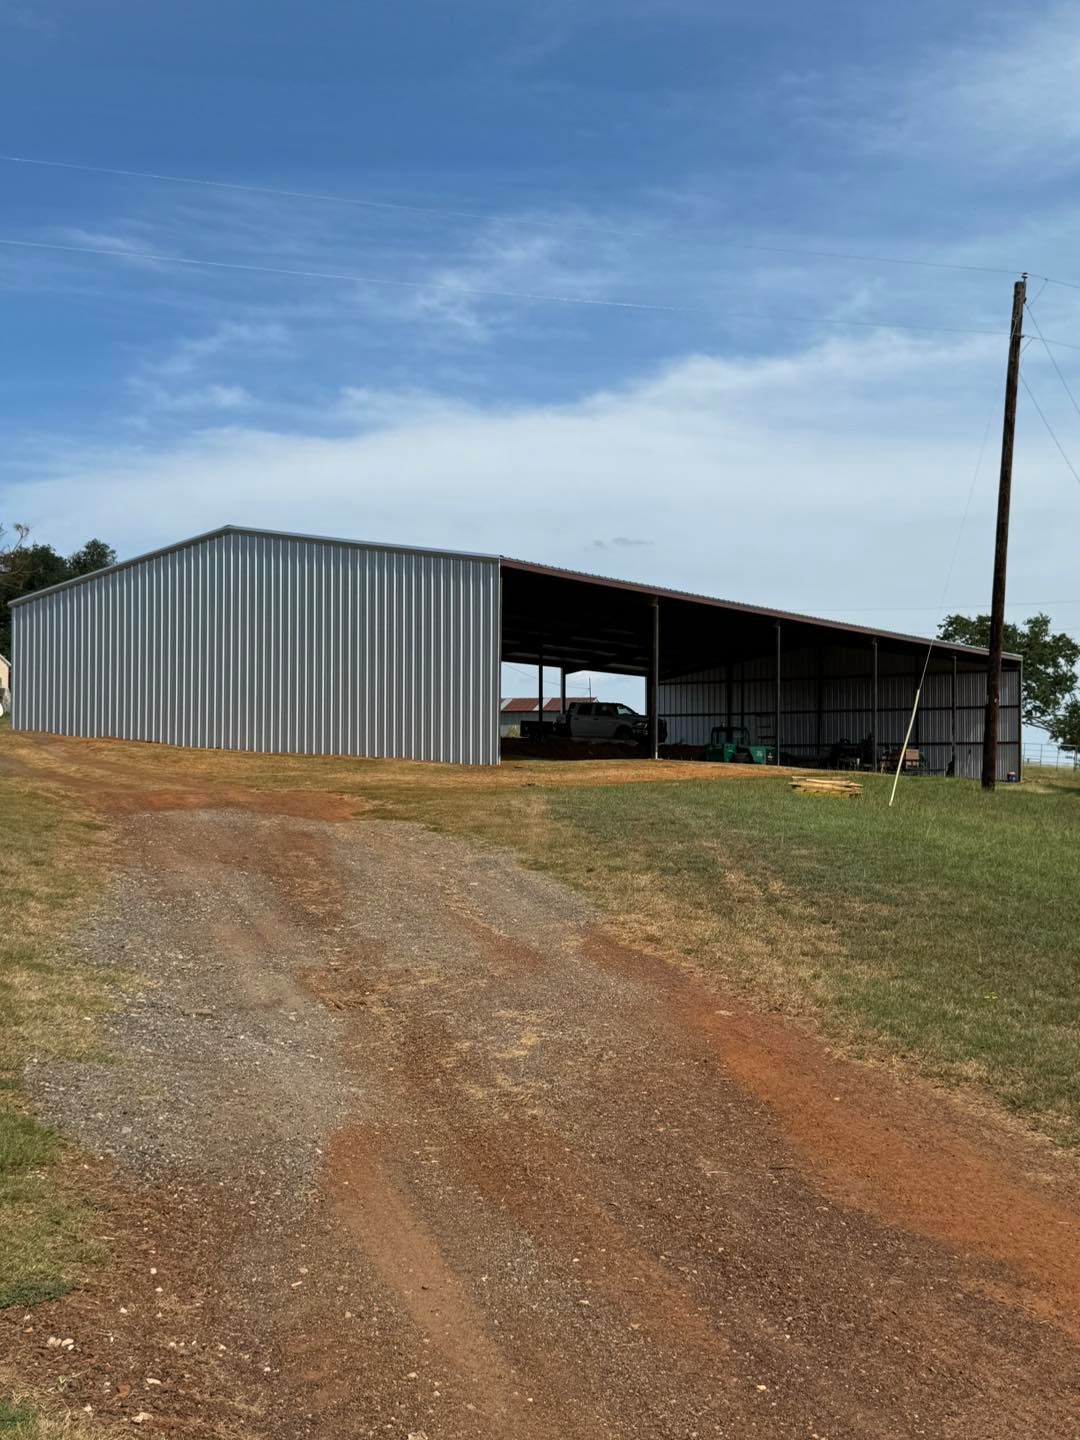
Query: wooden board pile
[[825, 785]]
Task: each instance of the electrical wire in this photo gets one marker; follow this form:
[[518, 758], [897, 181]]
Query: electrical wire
[[500, 216], [359, 202], [945, 590], [1053, 362], [1042, 287], [1050, 431], [528, 296], [341, 275]]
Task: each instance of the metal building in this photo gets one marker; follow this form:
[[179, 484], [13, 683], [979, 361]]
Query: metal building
[[249, 639]]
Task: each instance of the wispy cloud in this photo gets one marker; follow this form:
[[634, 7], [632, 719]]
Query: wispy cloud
[[618, 542], [203, 398], [534, 259], [198, 374], [120, 241], [191, 355], [1004, 98]]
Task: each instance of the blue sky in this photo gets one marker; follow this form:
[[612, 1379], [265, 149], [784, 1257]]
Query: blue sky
[[732, 418]]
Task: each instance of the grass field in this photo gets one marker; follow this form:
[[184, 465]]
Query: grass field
[[946, 931], [49, 859]]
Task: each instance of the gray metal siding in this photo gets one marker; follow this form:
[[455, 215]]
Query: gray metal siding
[[254, 642], [811, 720]]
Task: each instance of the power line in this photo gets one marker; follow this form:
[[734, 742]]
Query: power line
[[967, 509], [528, 296], [340, 275], [1042, 287], [1053, 362], [359, 202], [530, 674], [1050, 431], [364, 202]]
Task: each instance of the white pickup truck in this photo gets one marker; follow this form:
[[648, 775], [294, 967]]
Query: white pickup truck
[[595, 720]]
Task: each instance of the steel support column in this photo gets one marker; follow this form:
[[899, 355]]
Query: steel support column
[[778, 692], [654, 681], [954, 686], [874, 738]]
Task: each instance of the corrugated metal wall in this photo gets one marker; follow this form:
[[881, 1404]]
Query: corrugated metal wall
[[827, 696], [245, 641]]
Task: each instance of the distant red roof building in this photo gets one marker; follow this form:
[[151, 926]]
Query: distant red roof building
[[523, 705]]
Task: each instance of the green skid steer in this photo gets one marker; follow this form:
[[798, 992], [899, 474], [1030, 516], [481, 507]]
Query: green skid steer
[[733, 744]]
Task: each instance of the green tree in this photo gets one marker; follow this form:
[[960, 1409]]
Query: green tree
[[94, 555], [1050, 678], [25, 567], [1067, 731]]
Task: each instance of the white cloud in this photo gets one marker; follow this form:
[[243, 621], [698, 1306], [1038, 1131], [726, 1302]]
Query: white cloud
[[206, 397], [1005, 98], [170, 384], [831, 477], [191, 355], [99, 239], [561, 256]]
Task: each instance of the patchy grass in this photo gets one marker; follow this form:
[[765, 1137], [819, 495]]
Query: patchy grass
[[945, 930], [51, 854], [1051, 779], [20, 1421]]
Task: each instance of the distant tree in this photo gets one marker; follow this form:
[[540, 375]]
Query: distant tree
[[1067, 731], [94, 555], [25, 567], [1050, 678]]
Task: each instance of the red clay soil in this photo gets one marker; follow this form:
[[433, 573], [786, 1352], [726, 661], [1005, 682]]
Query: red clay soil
[[413, 1148]]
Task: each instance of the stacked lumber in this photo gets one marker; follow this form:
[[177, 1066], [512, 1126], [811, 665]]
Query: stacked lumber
[[825, 785]]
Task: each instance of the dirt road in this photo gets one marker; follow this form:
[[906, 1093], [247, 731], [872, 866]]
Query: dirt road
[[397, 1142]]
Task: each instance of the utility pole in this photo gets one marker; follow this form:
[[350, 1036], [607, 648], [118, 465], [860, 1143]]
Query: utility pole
[[1001, 541]]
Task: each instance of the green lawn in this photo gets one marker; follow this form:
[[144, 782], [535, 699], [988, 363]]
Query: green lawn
[[945, 930]]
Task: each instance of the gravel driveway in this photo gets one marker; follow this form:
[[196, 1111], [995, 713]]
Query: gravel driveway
[[394, 1141]]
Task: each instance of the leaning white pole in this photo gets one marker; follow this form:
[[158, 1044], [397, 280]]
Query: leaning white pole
[[903, 748]]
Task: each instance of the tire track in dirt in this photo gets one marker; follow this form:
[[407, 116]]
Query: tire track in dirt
[[891, 1148], [379, 1215]]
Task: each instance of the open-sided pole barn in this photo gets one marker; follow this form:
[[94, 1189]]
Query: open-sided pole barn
[[250, 639]]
